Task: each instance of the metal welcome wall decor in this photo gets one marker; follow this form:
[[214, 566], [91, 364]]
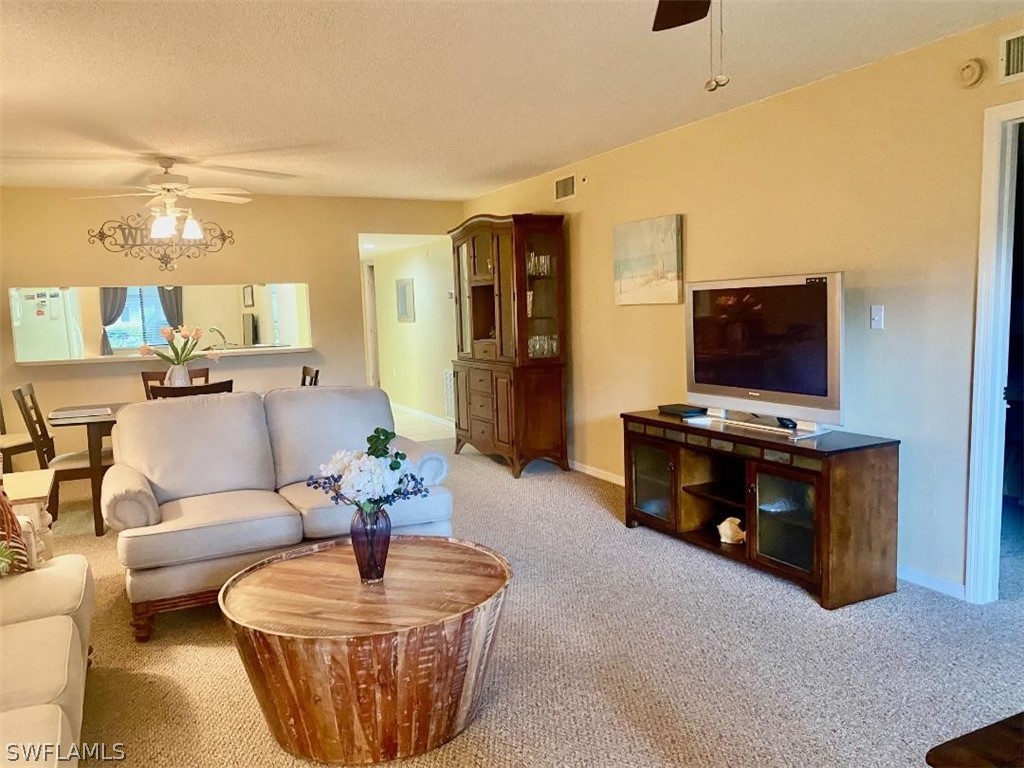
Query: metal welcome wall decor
[[130, 235]]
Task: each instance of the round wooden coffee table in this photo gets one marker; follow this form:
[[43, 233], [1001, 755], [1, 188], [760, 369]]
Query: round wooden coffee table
[[347, 673]]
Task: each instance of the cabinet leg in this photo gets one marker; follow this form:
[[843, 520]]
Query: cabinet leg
[[630, 522], [517, 468], [458, 444], [564, 464]]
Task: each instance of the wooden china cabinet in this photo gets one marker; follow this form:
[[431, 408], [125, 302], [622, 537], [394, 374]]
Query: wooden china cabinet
[[510, 394]]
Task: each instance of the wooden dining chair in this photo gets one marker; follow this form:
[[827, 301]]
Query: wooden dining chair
[[66, 466], [13, 443], [195, 375], [214, 388], [310, 376]]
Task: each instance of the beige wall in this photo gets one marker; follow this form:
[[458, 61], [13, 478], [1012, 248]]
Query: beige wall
[[310, 240], [413, 355], [875, 172]]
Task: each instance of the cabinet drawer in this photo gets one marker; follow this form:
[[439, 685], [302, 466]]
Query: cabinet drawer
[[481, 407], [481, 432], [485, 349], [480, 381]]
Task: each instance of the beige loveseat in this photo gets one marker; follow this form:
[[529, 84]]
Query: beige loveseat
[[45, 617], [203, 486]]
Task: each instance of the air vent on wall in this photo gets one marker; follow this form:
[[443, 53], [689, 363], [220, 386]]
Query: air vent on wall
[[1011, 57], [565, 188]]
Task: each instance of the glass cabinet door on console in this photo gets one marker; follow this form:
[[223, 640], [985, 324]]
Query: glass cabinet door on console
[[652, 483], [784, 519]]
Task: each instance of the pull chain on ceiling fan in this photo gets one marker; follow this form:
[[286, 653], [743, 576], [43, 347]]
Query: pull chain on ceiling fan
[[714, 82], [677, 13]]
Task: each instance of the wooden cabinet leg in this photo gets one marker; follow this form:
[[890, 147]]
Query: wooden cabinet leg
[[458, 444], [142, 621]]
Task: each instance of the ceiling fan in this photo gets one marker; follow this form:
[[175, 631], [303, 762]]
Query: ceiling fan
[[677, 13], [165, 189]]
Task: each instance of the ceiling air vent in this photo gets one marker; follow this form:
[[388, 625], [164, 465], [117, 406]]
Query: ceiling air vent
[[1011, 57], [565, 188]]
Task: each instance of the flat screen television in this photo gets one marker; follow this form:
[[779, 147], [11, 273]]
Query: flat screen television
[[772, 346]]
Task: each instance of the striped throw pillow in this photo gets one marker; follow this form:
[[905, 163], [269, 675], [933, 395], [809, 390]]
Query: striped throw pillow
[[13, 553]]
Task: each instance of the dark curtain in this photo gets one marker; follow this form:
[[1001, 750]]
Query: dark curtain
[[112, 302], [170, 300]]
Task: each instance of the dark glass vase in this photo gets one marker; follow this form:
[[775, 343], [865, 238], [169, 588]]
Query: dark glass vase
[[371, 535]]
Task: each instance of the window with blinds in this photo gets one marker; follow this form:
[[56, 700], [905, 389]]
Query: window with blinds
[[141, 320]]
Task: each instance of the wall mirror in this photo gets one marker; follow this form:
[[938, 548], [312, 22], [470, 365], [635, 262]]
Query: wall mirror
[[55, 324]]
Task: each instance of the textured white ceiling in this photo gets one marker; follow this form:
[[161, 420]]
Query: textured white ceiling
[[442, 100]]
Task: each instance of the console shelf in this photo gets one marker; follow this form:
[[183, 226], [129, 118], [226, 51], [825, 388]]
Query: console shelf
[[718, 492], [820, 511]]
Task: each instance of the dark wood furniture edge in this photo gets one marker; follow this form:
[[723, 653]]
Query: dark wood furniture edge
[[998, 744], [143, 613]]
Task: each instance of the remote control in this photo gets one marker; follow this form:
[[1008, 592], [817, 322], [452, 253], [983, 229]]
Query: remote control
[[786, 423]]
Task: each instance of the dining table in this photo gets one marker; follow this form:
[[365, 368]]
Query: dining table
[[99, 422]]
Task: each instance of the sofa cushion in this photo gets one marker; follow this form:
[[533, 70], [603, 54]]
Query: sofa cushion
[[211, 526], [29, 728], [308, 424], [145, 584], [189, 446], [41, 662], [322, 518], [62, 586]]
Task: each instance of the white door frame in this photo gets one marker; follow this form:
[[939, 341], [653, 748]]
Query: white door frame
[[991, 348], [370, 342]]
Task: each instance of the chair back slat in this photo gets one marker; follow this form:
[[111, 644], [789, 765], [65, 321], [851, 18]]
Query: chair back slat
[[149, 378], [35, 423], [216, 387], [310, 376]]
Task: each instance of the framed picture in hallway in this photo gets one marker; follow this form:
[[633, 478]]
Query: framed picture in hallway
[[405, 300], [247, 298]]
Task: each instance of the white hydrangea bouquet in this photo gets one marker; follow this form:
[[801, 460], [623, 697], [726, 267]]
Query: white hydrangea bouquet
[[370, 479]]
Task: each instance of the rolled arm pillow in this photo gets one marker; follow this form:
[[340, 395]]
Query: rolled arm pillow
[[432, 466], [127, 500]]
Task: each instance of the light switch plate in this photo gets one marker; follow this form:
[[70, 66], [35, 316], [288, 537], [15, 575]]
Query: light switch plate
[[877, 317]]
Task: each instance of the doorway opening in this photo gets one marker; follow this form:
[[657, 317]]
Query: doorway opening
[[992, 416], [409, 328]]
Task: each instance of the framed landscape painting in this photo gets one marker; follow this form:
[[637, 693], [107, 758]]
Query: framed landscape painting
[[649, 261]]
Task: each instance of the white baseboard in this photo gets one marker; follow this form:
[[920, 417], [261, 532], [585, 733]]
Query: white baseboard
[[600, 474], [423, 415], [931, 582]]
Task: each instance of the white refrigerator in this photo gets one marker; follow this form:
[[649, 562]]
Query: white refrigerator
[[46, 323]]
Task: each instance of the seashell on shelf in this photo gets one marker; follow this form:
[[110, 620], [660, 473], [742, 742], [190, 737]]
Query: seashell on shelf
[[730, 532]]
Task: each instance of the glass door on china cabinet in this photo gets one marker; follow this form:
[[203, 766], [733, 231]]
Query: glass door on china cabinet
[[540, 297], [465, 310]]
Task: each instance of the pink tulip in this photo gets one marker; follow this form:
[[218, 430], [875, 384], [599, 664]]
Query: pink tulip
[[185, 331], [197, 333], [146, 351], [167, 333]]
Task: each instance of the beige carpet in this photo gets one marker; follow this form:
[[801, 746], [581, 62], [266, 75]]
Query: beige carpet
[[618, 648]]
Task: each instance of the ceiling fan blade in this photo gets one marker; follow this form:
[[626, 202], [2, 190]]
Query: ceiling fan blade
[[123, 194], [676, 13], [194, 191], [157, 201], [220, 198]]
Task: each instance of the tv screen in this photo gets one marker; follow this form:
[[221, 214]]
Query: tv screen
[[767, 337], [770, 346]]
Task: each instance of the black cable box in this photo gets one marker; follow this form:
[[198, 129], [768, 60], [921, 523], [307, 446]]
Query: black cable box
[[682, 410]]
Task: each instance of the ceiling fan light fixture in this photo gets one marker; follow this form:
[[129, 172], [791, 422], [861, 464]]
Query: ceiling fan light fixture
[[191, 230], [163, 227]]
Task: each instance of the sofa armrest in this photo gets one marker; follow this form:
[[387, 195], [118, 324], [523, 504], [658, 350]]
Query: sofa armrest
[[432, 466], [127, 500]]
